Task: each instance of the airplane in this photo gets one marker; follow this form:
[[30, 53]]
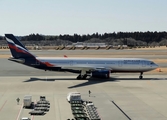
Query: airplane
[[94, 67]]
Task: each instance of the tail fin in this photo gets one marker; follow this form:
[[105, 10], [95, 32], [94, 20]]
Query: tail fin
[[17, 49]]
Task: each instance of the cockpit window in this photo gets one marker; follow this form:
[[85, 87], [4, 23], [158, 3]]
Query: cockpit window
[[151, 63]]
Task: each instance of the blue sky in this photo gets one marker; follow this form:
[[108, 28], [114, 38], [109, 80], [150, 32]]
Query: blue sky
[[54, 17]]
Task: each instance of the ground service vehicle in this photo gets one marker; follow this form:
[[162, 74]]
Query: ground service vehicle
[[27, 101], [74, 96], [25, 118]]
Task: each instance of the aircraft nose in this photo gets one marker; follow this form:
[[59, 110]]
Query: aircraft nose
[[155, 66]]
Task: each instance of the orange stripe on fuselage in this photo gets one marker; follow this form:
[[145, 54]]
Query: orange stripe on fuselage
[[48, 64]]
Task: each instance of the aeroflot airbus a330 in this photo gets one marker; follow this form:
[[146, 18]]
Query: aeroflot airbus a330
[[95, 67]]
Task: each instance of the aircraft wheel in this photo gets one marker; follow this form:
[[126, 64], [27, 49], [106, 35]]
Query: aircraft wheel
[[140, 77], [79, 77], [84, 77]]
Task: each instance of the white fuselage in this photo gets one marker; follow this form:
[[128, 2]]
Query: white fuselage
[[113, 64]]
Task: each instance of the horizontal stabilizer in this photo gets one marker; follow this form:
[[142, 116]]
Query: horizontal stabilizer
[[17, 60]]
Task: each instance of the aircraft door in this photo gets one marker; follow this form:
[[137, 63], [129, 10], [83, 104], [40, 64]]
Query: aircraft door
[[37, 62], [71, 63], [143, 64], [120, 63]]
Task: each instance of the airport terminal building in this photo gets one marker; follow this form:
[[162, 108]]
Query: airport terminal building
[[83, 44]]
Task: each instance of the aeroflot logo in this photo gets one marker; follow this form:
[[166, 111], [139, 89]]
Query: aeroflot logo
[[16, 47]]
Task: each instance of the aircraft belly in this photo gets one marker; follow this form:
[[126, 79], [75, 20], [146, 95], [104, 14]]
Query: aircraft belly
[[124, 69], [78, 67], [130, 69]]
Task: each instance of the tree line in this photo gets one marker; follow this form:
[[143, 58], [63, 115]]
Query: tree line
[[147, 37]]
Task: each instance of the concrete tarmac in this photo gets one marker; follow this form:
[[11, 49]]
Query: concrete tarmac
[[122, 97], [138, 99]]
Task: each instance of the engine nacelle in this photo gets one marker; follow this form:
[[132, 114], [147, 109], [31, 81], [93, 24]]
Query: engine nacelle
[[101, 74]]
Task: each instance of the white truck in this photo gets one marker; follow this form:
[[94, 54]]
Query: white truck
[[27, 101], [25, 118], [73, 96]]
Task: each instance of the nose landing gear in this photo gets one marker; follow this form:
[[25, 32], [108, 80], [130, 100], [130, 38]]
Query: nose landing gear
[[141, 75]]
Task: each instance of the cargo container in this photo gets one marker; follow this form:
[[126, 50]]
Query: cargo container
[[27, 101]]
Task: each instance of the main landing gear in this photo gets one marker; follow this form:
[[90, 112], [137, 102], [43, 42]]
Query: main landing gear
[[141, 75], [83, 75]]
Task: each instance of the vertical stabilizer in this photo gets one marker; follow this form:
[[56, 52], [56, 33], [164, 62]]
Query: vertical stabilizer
[[18, 50]]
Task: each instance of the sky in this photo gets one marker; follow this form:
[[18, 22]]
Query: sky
[[55, 17]]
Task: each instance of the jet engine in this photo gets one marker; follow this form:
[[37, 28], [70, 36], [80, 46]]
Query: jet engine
[[101, 74]]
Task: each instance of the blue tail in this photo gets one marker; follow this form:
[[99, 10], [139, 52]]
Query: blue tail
[[17, 49]]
